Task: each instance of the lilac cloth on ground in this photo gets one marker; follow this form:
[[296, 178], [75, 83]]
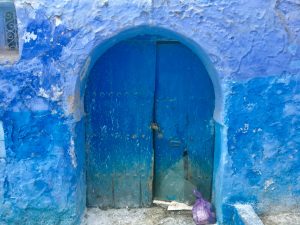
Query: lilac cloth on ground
[[202, 211]]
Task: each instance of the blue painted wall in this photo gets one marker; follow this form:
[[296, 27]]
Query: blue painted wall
[[251, 51]]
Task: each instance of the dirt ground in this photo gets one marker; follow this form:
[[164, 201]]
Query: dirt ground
[[282, 219], [160, 216], [142, 216]]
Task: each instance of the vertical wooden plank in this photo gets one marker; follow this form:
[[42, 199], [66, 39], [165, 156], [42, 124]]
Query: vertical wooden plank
[[183, 111], [119, 107], [127, 190]]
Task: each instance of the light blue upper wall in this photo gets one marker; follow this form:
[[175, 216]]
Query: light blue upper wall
[[254, 48]]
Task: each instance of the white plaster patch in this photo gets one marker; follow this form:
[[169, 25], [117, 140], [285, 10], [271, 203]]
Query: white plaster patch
[[245, 128], [53, 112], [37, 73], [56, 93], [268, 183], [255, 130], [58, 20], [283, 81], [2, 142], [290, 109], [102, 3], [38, 104], [72, 153], [29, 36], [43, 93]]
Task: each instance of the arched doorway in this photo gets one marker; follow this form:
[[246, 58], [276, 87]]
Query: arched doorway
[[149, 124]]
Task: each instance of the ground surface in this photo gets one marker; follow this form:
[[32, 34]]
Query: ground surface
[[160, 216], [143, 216], [282, 219]]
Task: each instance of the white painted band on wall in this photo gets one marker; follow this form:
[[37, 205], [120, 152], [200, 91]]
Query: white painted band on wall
[[2, 142]]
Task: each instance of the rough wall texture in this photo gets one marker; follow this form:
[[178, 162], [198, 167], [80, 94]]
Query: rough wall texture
[[254, 47]]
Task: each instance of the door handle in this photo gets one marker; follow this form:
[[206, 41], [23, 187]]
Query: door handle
[[154, 126]]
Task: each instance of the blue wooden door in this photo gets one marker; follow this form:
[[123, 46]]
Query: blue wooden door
[[149, 107], [119, 108], [184, 129]]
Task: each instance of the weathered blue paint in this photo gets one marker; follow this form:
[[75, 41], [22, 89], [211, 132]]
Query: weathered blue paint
[[119, 106], [250, 49], [136, 83], [32, 143], [184, 103], [269, 166]]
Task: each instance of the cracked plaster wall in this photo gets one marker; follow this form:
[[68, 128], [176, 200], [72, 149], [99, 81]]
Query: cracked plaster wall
[[254, 48]]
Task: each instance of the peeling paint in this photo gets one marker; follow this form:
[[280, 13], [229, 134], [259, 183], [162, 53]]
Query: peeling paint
[[268, 183], [29, 36], [2, 142], [251, 48], [72, 153]]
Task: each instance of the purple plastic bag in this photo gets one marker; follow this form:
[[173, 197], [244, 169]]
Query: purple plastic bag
[[202, 211]]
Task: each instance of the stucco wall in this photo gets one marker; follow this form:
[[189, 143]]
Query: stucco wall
[[254, 49]]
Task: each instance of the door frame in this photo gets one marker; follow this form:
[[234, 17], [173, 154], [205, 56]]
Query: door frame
[[101, 46]]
